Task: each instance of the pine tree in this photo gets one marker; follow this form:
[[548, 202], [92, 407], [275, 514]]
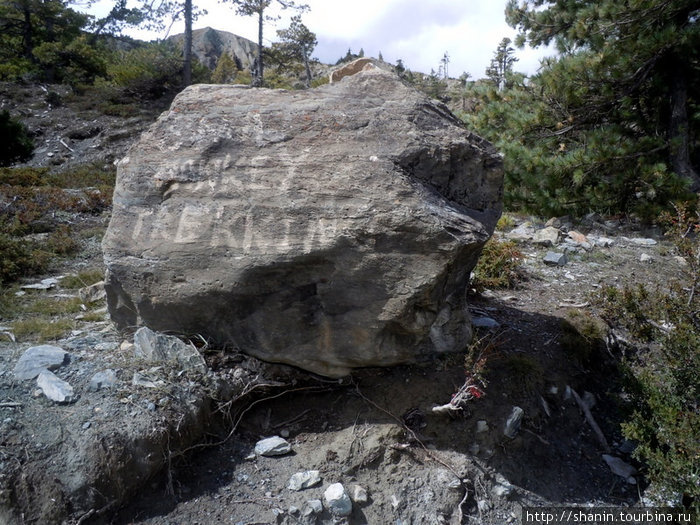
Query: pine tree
[[258, 8], [627, 83], [502, 64], [301, 43], [225, 71]]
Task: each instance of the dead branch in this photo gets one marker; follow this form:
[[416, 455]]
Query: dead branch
[[63, 143], [413, 435], [591, 421]]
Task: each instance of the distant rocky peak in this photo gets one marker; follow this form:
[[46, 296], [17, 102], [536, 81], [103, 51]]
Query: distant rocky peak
[[209, 44]]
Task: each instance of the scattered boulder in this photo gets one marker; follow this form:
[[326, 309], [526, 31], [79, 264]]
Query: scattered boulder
[[524, 232], [157, 347], [555, 259], [311, 509], [548, 236], [143, 380], [55, 388], [603, 242], [304, 480], [104, 379], [640, 241], [38, 358], [337, 500], [272, 446], [329, 229]]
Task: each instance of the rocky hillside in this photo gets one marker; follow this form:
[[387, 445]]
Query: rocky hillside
[[97, 428]]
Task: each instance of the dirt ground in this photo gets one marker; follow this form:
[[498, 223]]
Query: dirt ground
[[377, 429]]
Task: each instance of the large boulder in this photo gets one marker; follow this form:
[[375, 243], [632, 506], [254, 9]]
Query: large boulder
[[328, 229]]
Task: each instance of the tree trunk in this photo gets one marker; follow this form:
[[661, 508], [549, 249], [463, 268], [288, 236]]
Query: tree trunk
[[187, 51], [258, 80], [679, 129], [308, 70], [27, 32]]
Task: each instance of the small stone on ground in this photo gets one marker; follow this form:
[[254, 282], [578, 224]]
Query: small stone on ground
[[38, 358], [272, 446]]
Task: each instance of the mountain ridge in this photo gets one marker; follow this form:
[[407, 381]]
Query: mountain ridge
[[208, 44]]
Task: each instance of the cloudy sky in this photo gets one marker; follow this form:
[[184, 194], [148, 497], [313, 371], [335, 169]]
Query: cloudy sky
[[417, 31]]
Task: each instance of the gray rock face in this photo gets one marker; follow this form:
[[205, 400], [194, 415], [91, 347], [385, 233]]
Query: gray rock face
[[209, 44], [38, 358], [328, 229]]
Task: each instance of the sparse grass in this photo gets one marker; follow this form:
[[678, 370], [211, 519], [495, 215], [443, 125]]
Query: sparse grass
[[89, 233], [54, 306], [498, 266], [9, 303], [82, 279], [41, 329], [39, 201], [505, 223], [582, 335], [525, 375], [93, 317], [87, 176]]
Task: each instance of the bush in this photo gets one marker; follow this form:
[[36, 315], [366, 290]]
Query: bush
[[226, 70], [77, 62], [151, 71], [498, 266], [17, 259], [662, 374], [15, 143]]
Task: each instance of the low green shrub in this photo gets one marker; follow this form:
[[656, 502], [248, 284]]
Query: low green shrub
[[19, 258], [62, 241], [498, 267], [663, 370]]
